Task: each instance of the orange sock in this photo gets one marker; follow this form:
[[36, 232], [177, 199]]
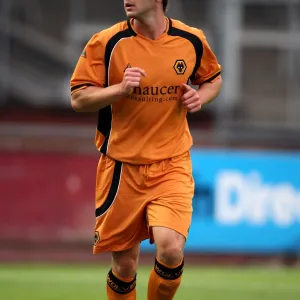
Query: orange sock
[[164, 281], [119, 288]]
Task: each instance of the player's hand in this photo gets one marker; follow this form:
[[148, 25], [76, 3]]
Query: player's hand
[[190, 98], [132, 78]]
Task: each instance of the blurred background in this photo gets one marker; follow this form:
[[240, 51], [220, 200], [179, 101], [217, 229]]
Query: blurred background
[[246, 154]]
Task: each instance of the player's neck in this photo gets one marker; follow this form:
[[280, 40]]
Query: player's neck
[[152, 26]]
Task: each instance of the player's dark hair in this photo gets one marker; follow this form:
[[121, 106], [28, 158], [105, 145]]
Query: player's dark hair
[[165, 4]]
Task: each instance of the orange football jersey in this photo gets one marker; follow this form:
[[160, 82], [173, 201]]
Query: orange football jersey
[[150, 124]]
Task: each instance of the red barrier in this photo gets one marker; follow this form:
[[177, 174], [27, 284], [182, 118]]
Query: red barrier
[[47, 197]]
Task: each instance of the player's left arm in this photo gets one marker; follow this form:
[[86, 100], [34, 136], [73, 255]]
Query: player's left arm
[[207, 77], [194, 99]]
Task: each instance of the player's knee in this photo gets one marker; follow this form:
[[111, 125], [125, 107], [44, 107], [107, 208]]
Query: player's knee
[[170, 254], [125, 265]]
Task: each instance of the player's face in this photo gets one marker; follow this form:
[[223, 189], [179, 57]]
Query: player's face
[[138, 8]]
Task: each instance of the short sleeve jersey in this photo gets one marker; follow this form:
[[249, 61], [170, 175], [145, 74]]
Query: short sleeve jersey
[[150, 124]]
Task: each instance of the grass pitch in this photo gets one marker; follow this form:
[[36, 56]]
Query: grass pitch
[[56, 282]]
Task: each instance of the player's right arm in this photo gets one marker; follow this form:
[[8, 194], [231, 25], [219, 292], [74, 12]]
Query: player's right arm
[[88, 91], [92, 98]]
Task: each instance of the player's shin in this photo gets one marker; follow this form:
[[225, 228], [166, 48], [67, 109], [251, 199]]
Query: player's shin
[[119, 288], [164, 281]]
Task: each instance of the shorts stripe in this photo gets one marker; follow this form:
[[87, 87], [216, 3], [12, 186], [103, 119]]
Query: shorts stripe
[[112, 191]]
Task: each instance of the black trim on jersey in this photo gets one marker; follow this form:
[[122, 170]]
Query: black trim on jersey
[[76, 87], [105, 114], [104, 125], [112, 191], [170, 25], [112, 43], [212, 78], [130, 28], [197, 43], [168, 273], [120, 286]]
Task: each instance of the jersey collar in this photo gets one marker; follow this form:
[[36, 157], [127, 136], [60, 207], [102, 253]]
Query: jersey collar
[[134, 33]]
